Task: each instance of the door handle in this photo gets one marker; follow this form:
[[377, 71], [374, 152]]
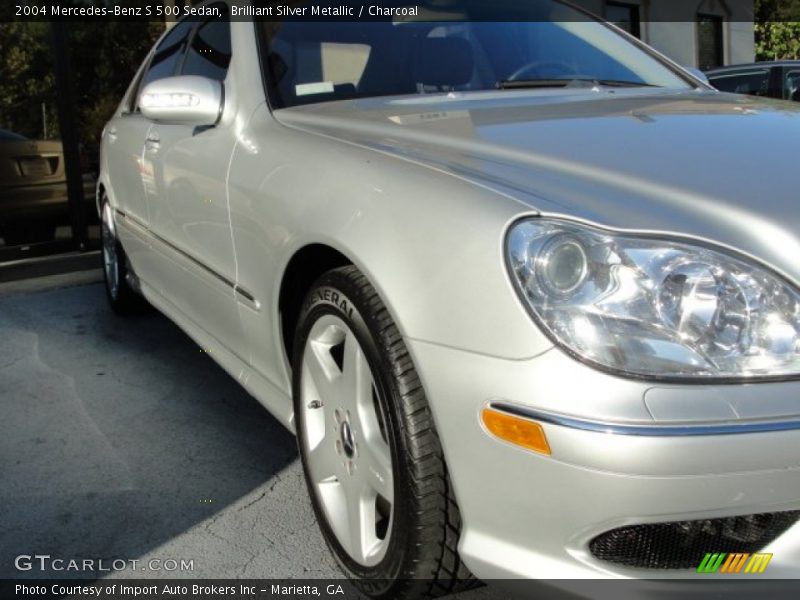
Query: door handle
[[153, 141], [112, 134]]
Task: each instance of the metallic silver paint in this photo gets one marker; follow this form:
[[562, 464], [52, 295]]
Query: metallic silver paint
[[418, 192], [527, 515], [203, 106]]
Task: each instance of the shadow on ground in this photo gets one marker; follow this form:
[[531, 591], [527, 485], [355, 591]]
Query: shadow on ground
[[120, 439], [119, 435]]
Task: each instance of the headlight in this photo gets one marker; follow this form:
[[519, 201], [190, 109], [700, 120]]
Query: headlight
[[652, 307]]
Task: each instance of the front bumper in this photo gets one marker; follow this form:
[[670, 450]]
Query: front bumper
[[527, 515]]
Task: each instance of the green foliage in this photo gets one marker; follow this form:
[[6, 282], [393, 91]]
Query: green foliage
[[777, 29], [27, 75], [777, 41], [104, 58]]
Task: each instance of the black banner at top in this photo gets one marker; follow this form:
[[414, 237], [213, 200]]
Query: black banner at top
[[730, 11]]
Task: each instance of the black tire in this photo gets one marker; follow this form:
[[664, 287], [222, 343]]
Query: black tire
[[122, 298], [421, 559]]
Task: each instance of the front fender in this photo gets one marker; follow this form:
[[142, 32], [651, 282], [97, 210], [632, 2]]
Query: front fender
[[430, 241]]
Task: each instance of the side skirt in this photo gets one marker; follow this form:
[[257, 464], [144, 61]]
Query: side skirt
[[276, 401]]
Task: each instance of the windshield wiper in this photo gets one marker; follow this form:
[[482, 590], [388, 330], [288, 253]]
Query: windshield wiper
[[520, 84]]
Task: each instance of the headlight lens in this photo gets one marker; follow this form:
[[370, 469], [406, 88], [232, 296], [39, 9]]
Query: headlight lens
[[655, 307]]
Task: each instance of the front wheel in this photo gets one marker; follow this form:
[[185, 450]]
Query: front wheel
[[372, 458]]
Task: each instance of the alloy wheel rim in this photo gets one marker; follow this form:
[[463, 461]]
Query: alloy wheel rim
[[110, 259], [345, 440]]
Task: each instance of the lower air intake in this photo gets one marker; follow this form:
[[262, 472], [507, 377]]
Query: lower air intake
[[683, 544]]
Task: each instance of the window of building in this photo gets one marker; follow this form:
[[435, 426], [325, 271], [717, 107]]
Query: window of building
[[625, 16], [710, 48]]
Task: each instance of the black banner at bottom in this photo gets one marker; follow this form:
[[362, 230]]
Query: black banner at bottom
[[334, 589], [177, 589]]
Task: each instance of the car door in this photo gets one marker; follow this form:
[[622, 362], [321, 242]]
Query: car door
[[776, 83], [130, 168], [123, 143], [188, 200]]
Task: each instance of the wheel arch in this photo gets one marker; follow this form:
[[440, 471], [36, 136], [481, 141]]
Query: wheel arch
[[305, 266], [98, 196]]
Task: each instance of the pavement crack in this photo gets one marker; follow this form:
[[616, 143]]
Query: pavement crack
[[249, 504], [15, 361], [243, 568]]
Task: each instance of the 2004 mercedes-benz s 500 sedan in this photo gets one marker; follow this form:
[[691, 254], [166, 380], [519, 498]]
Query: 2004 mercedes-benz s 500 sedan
[[527, 292]]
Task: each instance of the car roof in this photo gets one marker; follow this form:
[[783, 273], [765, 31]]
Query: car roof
[[762, 64]]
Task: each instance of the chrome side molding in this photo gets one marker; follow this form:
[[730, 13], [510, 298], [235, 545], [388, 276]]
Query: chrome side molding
[[245, 296], [655, 430]]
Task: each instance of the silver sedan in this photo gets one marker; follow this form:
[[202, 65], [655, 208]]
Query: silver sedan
[[526, 291]]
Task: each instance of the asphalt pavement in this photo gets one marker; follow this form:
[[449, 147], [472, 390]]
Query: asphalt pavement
[[121, 440]]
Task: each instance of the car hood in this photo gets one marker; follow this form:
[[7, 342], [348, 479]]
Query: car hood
[[715, 166]]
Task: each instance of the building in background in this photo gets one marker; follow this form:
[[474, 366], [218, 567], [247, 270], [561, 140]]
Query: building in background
[[694, 33]]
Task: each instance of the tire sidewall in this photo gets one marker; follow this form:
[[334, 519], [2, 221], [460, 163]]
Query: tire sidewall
[[335, 295], [111, 297], [127, 301]]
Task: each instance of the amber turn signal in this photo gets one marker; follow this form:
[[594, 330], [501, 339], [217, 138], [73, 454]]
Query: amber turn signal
[[516, 430]]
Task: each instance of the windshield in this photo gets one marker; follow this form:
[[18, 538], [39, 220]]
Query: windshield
[[549, 45]]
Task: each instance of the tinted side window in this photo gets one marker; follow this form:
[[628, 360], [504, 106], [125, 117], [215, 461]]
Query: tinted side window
[[792, 86], [168, 54], [754, 83], [131, 101], [210, 50]]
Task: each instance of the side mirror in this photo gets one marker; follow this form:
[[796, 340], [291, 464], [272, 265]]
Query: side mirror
[[698, 74], [186, 99]]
